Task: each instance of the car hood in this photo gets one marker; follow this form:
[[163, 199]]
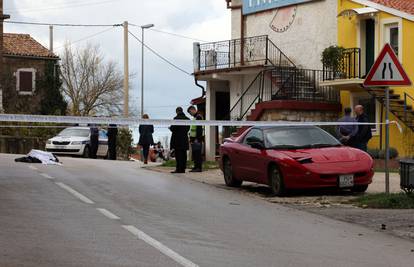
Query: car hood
[[325, 155], [69, 138]]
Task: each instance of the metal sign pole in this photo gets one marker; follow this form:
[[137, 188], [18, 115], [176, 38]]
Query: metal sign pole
[[387, 140]]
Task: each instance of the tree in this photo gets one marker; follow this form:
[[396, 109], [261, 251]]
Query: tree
[[52, 102], [92, 84]]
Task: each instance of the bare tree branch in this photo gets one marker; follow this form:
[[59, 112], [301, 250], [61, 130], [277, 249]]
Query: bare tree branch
[[92, 85]]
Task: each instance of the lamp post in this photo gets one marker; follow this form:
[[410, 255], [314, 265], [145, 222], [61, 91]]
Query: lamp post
[[143, 27]]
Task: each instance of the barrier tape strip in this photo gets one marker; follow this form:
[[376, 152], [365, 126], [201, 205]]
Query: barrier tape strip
[[120, 121]]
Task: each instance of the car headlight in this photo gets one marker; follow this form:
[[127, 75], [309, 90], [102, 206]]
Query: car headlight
[[48, 142], [76, 143]]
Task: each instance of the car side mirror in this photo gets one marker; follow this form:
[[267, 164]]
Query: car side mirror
[[255, 143]]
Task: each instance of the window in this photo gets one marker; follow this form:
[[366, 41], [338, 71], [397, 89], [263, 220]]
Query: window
[[393, 33], [253, 133], [26, 81]]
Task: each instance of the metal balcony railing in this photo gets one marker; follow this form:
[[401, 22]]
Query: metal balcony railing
[[349, 67], [258, 50]]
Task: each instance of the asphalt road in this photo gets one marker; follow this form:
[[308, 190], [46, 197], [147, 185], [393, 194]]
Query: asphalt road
[[101, 213]]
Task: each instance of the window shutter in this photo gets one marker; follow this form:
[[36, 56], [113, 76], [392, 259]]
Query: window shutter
[[26, 81]]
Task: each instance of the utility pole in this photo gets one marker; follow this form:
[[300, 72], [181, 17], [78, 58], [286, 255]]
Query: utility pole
[[51, 38], [126, 71], [142, 65]]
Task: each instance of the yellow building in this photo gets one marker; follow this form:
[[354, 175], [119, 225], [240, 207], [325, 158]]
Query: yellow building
[[364, 27]]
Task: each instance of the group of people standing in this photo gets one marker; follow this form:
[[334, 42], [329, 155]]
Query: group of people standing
[[182, 138], [356, 136], [94, 141]]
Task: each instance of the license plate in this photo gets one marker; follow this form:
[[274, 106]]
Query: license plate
[[60, 147], [346, 180]]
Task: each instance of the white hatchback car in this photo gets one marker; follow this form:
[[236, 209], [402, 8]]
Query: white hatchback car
[[76, 141]]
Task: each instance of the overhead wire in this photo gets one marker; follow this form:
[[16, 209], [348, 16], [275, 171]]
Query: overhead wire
[[61, 24], [85, 38], [159, 55]]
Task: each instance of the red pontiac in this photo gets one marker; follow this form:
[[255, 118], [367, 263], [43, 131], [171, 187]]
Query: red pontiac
[[294, 157]]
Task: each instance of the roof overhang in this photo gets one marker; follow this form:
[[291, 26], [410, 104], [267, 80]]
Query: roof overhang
[[386, 9], [358, 12]]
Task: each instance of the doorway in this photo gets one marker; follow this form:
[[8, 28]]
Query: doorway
[[368, 44]]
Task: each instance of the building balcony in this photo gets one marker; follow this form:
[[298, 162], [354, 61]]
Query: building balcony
[[238, 55], [348, 75]]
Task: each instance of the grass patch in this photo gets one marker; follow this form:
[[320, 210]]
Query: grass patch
[[208, 165], [383, 170], [386, 201]]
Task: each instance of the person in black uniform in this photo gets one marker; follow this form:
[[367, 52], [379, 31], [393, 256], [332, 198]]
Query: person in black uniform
[[179, 141], [196, 140], [364, 133], [112, 134], [94, 141], [145, 138]]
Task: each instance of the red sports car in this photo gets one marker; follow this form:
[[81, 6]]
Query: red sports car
[[294, 157]]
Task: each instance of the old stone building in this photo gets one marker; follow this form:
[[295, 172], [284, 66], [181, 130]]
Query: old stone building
[[25, 66]]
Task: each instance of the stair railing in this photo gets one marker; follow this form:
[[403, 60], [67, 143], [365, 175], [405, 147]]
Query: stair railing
[[406, 98]]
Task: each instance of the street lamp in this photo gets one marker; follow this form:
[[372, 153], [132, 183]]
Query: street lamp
[[143, 27]]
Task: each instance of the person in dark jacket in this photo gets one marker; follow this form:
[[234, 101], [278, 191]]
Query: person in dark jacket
[[145, 138], [179, 141], [112, 134], [196, 140], [364, 133], [94, 141]]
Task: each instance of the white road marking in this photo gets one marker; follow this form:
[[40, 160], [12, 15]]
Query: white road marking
[[108, 214], [47, 176], [33, 168], [75, 193], [159, 246]]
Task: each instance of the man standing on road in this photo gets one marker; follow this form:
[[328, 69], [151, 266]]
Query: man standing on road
[[196, 140], [112, 134], [364, 133], [345, 133], [94, 141], [179, 141]]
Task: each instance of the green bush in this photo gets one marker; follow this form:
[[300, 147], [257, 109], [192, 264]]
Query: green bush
[[374, 153], [124, 143], [332, 57], [380, 154], [393, 153]]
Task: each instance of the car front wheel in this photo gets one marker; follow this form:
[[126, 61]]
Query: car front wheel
[[229, 178], [86, 152], [360, 188], [276, 182]]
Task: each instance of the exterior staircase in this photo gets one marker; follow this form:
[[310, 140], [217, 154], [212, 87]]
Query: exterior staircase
[[398, 106]]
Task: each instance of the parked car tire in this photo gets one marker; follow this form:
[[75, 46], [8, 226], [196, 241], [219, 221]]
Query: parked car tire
[[86, 152], [229, 178], [360, 188], [276, 183]]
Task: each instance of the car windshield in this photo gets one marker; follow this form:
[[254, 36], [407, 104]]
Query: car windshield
[[69, 132], [298, 137]]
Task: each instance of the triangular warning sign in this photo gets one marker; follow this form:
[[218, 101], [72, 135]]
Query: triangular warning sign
[[387, 71]]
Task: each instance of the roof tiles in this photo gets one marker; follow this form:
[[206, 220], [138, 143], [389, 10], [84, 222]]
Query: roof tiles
[[24, 45]]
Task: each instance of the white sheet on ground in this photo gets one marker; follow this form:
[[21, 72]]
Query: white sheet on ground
[[45, 157]]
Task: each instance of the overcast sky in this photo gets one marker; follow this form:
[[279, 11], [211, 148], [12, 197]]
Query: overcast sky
[[165, 87]]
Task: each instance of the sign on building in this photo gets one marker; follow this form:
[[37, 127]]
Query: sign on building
[[254, 6]]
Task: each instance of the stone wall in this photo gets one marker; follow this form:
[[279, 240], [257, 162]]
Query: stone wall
[[298, 115], [12, 101]]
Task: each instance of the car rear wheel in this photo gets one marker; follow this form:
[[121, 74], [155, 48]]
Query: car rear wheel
[[360, 188], [86, 152], [276, 182], [229, 178]]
